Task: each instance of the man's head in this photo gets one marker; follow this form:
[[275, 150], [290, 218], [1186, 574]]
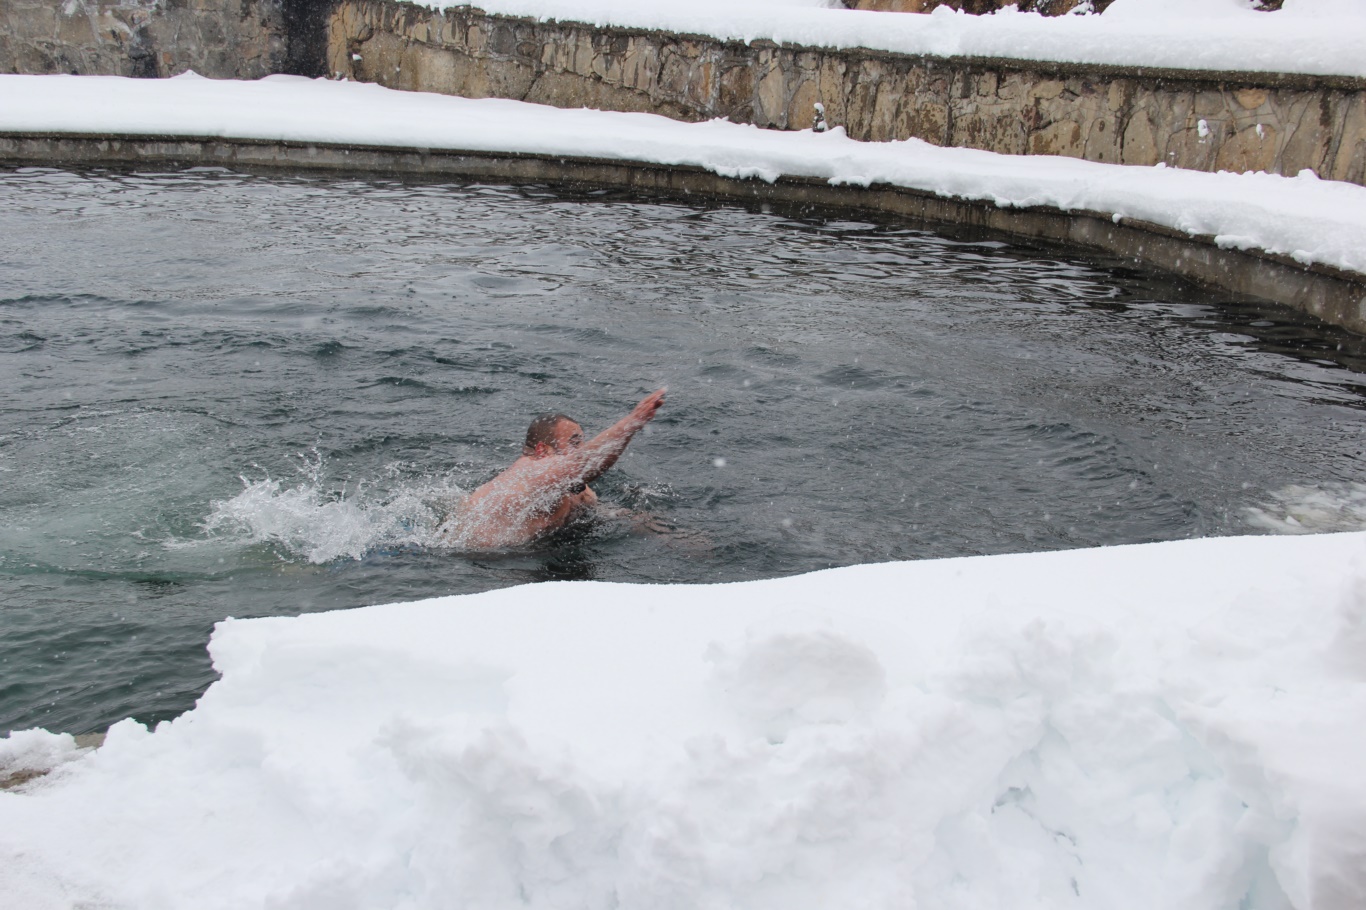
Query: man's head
[[551, 433]]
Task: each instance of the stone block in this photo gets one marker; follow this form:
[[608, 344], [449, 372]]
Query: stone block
[[1139, 145], [1309, 142], [930, 122], [215, 60], [600, 66], [1117, 95], [770, 99], [674, 71], [583, 56], [869, 72], [76, 30], [1011, 136], [1349, 161], [513, 80], [1077, 87], [1061, 138], [568, 90], [339, 61], [1103, 140], [640, 66], [1010, 86], [1252, 149], [1210, 104], [502, 40], [1189, 149], [434, 69], [556, 55], [1355, 171], [858, 107], [1046, 89], [471, 76], [972, 129], [801, 109], [1251, 98], [30, 23], [1174, 110], [211, 32], [735, 93], [375, 59], [613, 70], [882, 125], [833, 89], [477, 39], [702, 91]]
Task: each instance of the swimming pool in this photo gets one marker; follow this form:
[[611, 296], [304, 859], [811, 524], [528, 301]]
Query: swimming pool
[[240, 395]]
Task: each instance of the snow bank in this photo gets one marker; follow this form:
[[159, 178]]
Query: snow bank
[[1318, 37], [1174, 725], [1315, 221]]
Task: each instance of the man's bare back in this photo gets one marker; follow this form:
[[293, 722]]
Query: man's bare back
[[547, 487]]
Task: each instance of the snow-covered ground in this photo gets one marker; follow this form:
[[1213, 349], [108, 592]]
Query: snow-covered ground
[[1313, 220], [1319, 37], [1177, 725]]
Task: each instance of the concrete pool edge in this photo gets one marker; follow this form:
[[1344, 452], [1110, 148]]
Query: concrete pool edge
[[1333, 295]]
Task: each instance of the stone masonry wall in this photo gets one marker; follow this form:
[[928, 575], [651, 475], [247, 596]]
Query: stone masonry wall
[[218, 38], [1205, 121]]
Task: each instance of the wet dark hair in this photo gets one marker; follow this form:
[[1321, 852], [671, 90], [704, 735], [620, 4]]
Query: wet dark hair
[[542, 430]]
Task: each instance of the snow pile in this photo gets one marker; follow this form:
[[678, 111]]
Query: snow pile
[[1174, 725], [1318, 37], [24, 751], [1313, 220]]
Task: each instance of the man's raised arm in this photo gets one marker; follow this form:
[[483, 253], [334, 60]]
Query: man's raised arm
[[592, 459]]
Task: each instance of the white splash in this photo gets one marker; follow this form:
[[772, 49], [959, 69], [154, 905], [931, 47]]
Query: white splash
[[319, 522], [1303, 509]]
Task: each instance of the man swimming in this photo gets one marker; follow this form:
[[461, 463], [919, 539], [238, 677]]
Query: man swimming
[[547, 487]]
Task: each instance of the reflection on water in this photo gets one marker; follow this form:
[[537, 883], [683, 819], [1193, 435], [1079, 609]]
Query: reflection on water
[[232, 395]]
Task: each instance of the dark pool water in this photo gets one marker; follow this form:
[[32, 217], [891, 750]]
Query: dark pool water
[[229, 395]]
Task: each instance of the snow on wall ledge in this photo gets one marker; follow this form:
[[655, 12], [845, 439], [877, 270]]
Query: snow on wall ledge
[[1174, 725], [1314, 37], [1312, 221]]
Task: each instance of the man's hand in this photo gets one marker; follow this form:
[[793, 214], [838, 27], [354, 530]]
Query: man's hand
[[645, 411]]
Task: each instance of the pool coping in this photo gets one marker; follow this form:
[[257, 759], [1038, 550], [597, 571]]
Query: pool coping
[[1334, 295]]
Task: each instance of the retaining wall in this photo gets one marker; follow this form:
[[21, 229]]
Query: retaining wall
[[1206, 121], [243, 39]]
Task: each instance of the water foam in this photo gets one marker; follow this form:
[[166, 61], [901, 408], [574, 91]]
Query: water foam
[[1304, 509], [317, 521]]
